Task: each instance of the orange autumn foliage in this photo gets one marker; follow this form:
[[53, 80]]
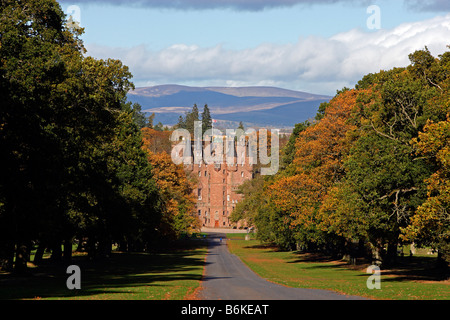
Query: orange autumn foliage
[[318, 162], [174, 185], [156, 141]]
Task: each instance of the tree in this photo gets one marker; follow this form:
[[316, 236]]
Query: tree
[[188, 121], [139, 117], [383, 184], [386, 173], [159, 126], [318, 164], [289, 150], [372, 169], [181, 124], [39, 55], [430, 226], [127, 208], [206, 119], [386, 185], [312, 162], [191, 117], [73, 163], [150, 120], [176, 192], [253, 199], [157, 141]]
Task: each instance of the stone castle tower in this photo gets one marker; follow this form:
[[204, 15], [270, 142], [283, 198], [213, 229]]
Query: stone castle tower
[[218, 182]]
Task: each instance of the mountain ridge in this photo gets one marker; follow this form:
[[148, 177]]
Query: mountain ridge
[[256, 105]]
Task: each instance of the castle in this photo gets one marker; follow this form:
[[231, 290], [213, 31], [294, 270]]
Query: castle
[[219, 180]]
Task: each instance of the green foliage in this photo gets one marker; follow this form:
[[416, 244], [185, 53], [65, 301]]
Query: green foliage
[[187, 122], [72, 145], [360, 172], [288, 151], [252, 190], [139, 117], [321, 111], [190, 119], [206, 119]]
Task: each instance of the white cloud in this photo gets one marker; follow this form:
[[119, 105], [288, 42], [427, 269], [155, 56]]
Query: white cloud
[[314, 64]]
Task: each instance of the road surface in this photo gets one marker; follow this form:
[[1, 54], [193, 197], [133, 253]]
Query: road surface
[[228, 278]]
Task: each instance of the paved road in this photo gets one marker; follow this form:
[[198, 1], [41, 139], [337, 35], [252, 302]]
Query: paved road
[[228, 278]]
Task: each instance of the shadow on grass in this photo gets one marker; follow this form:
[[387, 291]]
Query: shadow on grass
[[121, 270], [269, 246], [415, 268]]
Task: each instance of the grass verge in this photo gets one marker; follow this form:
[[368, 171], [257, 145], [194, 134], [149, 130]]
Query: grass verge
[[413, 280], [172, 275]]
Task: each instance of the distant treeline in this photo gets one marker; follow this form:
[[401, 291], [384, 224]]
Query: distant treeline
[[188, 121], [74, 162], [371, 172]]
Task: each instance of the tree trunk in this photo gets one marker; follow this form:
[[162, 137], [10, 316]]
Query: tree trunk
[[441, 263], [362, 248], [68, 249], [91, 248], [105, 248], [391, 254], [376, 255], [123, 246], [412, 249], [39, 253], [56, 251], [20, 266], [7, 256]]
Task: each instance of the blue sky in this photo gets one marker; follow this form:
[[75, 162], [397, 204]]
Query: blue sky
[[286, 43]]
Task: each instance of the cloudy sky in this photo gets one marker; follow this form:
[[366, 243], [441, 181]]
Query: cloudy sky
[[315, 46]]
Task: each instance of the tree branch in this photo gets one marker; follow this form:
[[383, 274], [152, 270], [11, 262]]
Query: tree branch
[[383, 134], [397, 191]]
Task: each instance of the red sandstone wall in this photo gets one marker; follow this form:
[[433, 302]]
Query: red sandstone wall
[[216, 191]]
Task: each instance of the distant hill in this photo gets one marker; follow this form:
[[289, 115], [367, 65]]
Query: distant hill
[[255, 106]]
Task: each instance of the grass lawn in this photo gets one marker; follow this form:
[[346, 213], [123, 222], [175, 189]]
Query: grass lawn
[[413, 280], [174, 275]]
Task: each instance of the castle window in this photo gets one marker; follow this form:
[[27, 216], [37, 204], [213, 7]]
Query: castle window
[[242, 174], [228, 197], [199, 194]]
